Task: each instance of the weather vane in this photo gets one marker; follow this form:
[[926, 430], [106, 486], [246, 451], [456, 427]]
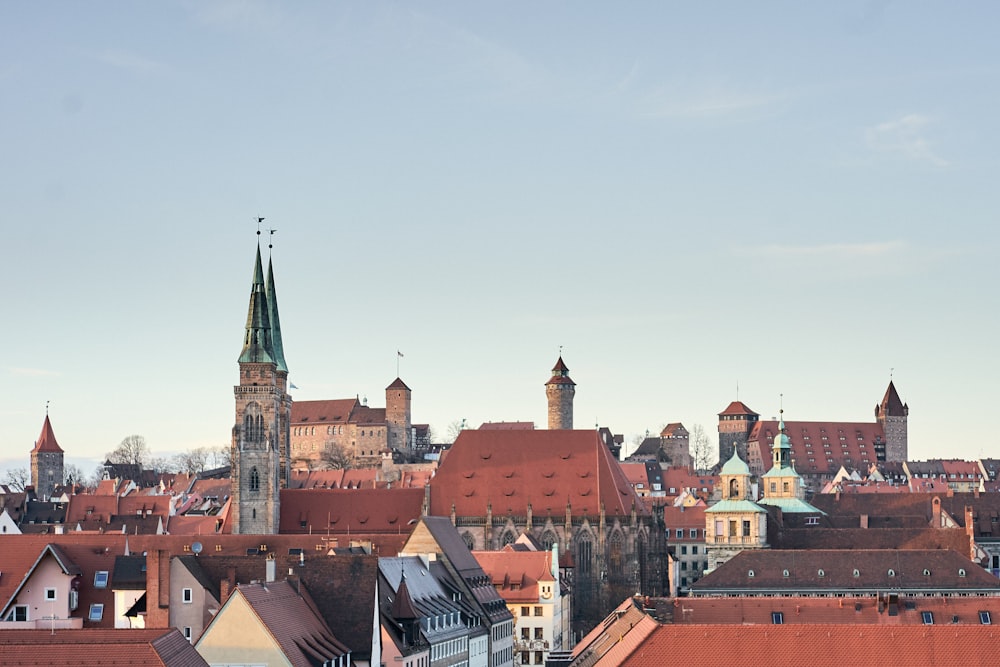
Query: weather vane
[[259, 220]]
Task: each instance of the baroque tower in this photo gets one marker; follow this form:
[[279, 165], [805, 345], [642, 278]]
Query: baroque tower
[[46, 462], [560, 390], [891, 414], [260, 449]]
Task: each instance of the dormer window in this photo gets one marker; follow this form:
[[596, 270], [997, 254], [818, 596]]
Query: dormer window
[[101, 579]]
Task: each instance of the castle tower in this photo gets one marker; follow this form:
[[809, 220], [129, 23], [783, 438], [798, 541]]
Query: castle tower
[[560, 390], [735, 424], [891, 414], [263, 407], [397, 417], [46, 462]]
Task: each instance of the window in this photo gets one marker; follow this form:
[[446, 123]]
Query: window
[[538, 633], [187, 595], [927, 617], [525, 634], [18, 612], [538, 611], [984, 618], [538, 658], [525, 611], [101, 579], [693, 533], [684, 550], [680, 533], [777, 618], [254, 479], [50, 594], [96, 612], [187, 633], [694, 550]]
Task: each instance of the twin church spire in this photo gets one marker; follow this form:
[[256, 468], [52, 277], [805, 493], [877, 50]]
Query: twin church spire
[[262, 340]]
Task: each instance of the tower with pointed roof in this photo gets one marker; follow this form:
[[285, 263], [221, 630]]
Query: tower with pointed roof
[[891, 414], [260, 447], [559, 391], [46, 462], [397, 417], [735, 424]]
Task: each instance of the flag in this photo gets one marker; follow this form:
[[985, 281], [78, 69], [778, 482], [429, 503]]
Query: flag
[[399, 353], [291, 385]]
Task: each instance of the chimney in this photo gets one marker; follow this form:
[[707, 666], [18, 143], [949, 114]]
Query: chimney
[[227, 585], [970, 530], [270, 568], [936, 512], [157, 588]]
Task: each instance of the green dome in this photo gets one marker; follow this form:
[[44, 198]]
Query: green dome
[[735, 465]]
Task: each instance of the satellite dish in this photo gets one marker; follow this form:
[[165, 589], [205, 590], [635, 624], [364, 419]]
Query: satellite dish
[[196, 548]]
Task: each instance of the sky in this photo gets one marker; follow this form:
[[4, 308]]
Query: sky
[[783, 202]]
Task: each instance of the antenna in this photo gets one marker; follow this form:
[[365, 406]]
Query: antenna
[[196, 548]]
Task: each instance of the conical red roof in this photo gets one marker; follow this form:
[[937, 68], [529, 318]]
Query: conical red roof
[[47, 440]]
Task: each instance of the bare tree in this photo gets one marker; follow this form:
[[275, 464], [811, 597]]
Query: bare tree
[[132, 450], [453, 430], [700, 450], [160, 464], [220, 457], [73, 474], [16, 479], [336, 457], [193, 461]]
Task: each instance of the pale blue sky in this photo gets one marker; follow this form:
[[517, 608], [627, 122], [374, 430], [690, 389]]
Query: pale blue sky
[[793, 196]]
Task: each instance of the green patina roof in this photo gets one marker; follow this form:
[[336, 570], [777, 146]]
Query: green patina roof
[[735, 466], [736, 506], [257, 338], [775, 471], [272, 311], [791, 505]]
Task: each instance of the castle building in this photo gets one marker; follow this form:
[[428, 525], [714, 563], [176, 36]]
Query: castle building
[[891, 414], [735, 424], [260, 448], [560, 390], [46, 462]]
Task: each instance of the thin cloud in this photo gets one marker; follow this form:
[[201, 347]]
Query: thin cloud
[[904, 136], [130, 62], [32, 372], [832, 251]]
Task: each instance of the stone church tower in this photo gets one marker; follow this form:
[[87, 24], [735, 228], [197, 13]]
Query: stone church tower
[[260, 446], [46, 462], [560, 390], [891, 414]]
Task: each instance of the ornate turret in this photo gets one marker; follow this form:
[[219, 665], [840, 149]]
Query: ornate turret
[[560, 390]]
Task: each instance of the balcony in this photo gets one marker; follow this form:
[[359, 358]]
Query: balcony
[[734, 539], [530, 645]]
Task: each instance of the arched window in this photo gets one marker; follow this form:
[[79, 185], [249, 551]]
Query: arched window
[[734, 488], [584, 553], [508, 537], [469, 540], [254, 479], [548, 539], [615, 554]]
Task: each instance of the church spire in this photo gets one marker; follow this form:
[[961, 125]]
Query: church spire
[[272, 311], [257, 346]]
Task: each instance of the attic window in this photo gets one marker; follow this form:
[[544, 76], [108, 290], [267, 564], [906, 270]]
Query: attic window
[[820, 573], [857, 573], [101, 579], [927, 572], [892, 573], [961, 572], [927, 617], [784, 573], [777, 618], [96, 612], [750, 573], [984, 618]]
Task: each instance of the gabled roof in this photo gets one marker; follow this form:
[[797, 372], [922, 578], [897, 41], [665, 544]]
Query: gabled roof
[[163, 647], [759, 572], [47, 439], [616, 637], [328, 412], [62, 559], [516, 574], [820, 448], [349, 511], [507, 426], [674, 430], [510, 469]]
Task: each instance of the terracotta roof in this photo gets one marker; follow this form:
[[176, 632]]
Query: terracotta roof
[[516, 574], [329, 412], [738, 408], [676, 429], [560, 366], [825, 645], [606, 642], [47, 439], [635, 472], [820, 448], [755, 572], [350, 511], [684, 478], [72, 648], [510, 469]]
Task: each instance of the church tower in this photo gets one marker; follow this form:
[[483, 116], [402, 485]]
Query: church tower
[[263, 411], [891, 414], [560, 390], [46, 462]]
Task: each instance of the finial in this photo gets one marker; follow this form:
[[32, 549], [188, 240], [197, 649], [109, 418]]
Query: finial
[[259, 220], [737, 390], [46, 408], [270, 243], [890, 374]]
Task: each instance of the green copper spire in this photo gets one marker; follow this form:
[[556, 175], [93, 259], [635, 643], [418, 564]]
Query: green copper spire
[[272, 311], [257, 340]]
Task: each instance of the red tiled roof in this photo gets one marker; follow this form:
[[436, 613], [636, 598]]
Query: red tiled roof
[[814, 455], [825, 645], [329, 412], [507, 426], [82, 648], [515, 574], [510, 469], [47, 440], [350, 511], [635, 472], [91, 507], [398, 384], [737, 408], [891, 405], [672, 429]]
